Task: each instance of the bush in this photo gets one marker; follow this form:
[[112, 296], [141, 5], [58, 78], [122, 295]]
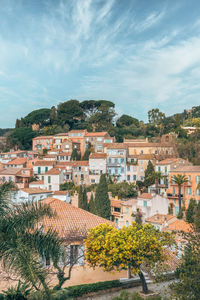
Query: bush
[[79, 290]]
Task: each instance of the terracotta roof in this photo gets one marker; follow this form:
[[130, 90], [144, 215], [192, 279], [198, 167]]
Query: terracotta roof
[[64, 153], [10, 171], [53, 171], [169, 161], [115, 203], [141, 145], [80, 163], [61, 192], [146, 156], [115, 146], [17, 161], [65, 163], [50, 156], [43, 137], [160, 218], [146, 196], [35, 191], [62, 134], [98, 155], [37, 182], [130, 202], [96, 133], [69, 217], [82, 130], [44, 163], [179, 225], [187, 169]]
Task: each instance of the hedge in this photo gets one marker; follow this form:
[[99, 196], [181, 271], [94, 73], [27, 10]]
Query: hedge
[[79, 290]]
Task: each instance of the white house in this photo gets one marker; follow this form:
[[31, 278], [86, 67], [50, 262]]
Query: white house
[[62, 195], [53, 178], [29, 194], [42, 166]]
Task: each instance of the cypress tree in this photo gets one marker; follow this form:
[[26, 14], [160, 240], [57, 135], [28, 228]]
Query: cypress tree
[[92, 205], [149, 174], [197, 217], [86, 154], [191, 211], [75, 155], [102, 202], [82, 198]]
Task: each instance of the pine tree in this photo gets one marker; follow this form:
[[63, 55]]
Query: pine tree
[[92, 205], [149, 174], [197, 217], [191, 211], [82, 198], [102, 202], [75, 155], [86, 154]]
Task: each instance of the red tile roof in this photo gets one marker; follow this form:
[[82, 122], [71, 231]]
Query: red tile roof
[[93, 134], [160, 218], [10, 171], [43, 137], [69, 217], [187, 169], [115, 145], [37, 182], [80, 163], [17, 161], [53, 171], [179, 225], [145, 196], [44, 163], [61, 192], [98, 155], [35, 191]]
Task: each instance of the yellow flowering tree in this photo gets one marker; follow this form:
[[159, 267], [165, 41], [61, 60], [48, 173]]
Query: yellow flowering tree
[[130, 247]]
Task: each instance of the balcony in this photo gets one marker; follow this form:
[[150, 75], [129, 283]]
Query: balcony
[[169, 195]]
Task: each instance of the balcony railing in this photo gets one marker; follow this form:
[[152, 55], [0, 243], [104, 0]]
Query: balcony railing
[[174, 195]]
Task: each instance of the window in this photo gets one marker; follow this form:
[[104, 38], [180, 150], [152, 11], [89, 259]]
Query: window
[[117, 209], [127, 210], [128, 168], [165, 169], [116, 171], [99, 139], [122, 170], [197, 193], [82, 177], [116, 160], [39, 170], [127, 223], [158, 169], [73, 254], [141, 152], [197, 179], [128, 177], [134, 177], [141, 162], [145, 203], [49, 179], [189, 191], [117, 221], [122, 160]]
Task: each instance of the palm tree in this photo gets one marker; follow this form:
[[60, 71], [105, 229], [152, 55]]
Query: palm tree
[[22, 243], [157, 176], [179, 180]]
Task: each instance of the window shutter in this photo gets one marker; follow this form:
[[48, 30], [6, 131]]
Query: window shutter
[[81, 255], [67, 255]]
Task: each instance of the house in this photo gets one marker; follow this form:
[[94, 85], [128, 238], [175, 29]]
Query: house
[[63, 156], [37, 184], [40, 143], [20, 177], [62, 195], [116, 160], [97, 139], [80, 172], [78, 136], [42, 166], [115, 205], [5, 157], [30, 194], [97, 166], [164, 167], [67, 167], [161, 221], [190, 189], [16, 163], [53, 178], [72, 225], [150, 204], [59, 139]]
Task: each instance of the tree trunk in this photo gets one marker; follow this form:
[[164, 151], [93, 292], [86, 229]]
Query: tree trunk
[[129, 272], [179, 198], [144, 284]]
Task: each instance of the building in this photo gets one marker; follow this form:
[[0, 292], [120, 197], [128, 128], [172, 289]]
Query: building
[[20, 177], [97, 166], [59, 139], [116, 160], [16, 163], [80, 172], [189, 190], [78, 136], [161, 221], [63, 156], [40, 143], [96, 140], [42, 166], [30, 194], [53, 178], [164, 167], [151, 204]]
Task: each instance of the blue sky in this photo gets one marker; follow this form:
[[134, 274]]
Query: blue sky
[[141, 54]]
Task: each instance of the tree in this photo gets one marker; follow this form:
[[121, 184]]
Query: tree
[[75, 155], [155, 116], [86, 155], [82, 198], [191, 211], [92, 205], [22, 242], [69, 112], [157, 176], [138, 216], [39, 116], [179, 180], [21, 138], [53, 115], [123, 190], [149, 174], [102, 201], [126, 120], [66, 186], [197, 217], [130, 247]]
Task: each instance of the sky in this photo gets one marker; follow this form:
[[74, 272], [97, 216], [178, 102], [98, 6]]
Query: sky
[[140, 54]]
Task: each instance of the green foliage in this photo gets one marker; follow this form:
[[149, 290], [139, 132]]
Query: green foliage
[[39, 116], [197, 217], [75, 156], [82, 198], [126, 120], [22, 138], [20, 292], [86, 154], [191, 211], [3, 131], [155, 116], [149, 178], [69, 112], [92, 208], [179, 179], [66, 186], [102, 201], [123, 190], [80, 290]]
